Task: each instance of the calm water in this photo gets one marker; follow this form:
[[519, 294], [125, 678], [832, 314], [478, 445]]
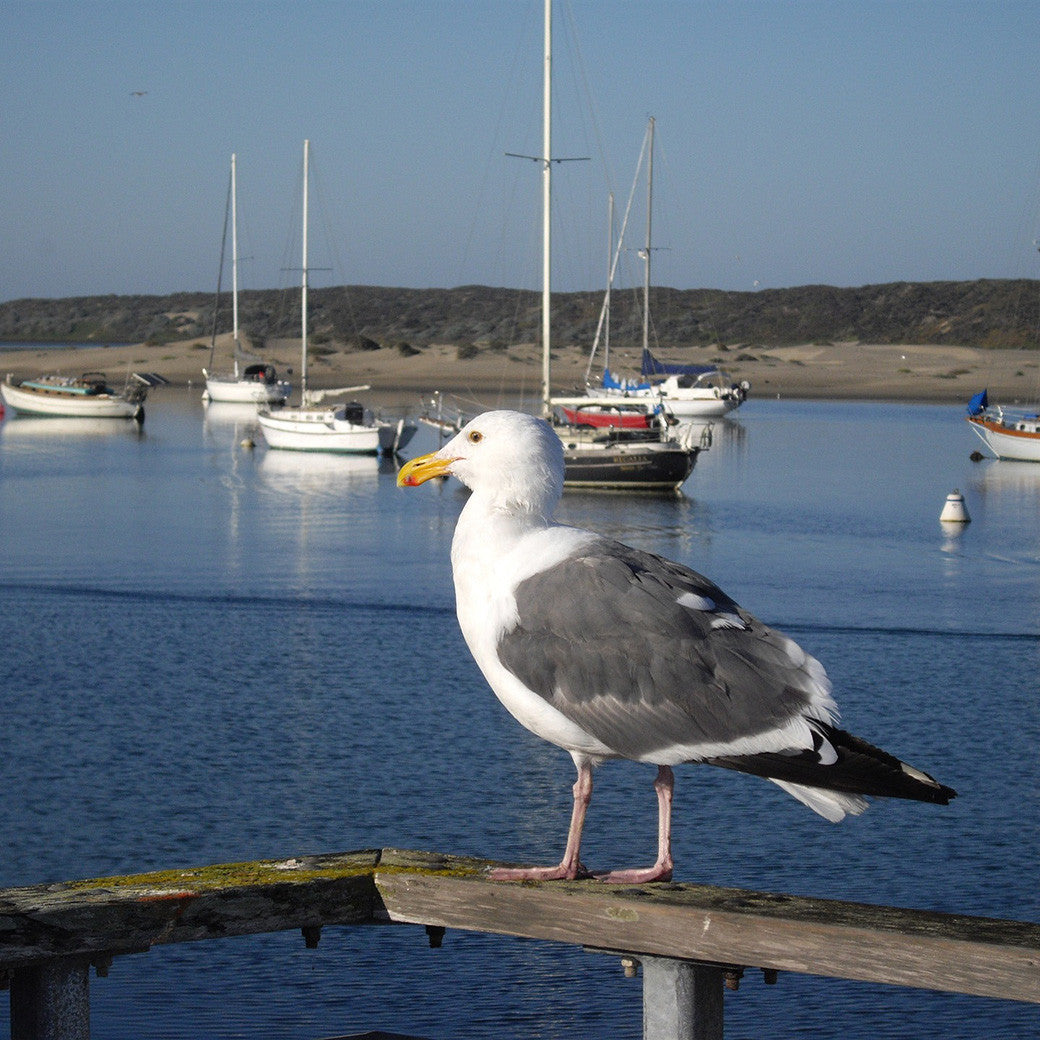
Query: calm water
[[220, 654]]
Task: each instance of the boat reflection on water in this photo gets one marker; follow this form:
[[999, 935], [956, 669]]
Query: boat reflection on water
[[1008, 477], [321, 518], [320, 473], [229, 413], [234, 423], [728, 435], [57, 428]]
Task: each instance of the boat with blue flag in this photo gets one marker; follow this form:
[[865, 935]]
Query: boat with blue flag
[[1010, 433]]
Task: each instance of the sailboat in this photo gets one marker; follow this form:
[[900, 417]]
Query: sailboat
[[348, 428], [1010, 433], [595, 458], [686, 391], [257, 382], [597, 410]]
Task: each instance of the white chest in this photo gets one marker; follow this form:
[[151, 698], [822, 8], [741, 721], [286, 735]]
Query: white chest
[[486, 571]]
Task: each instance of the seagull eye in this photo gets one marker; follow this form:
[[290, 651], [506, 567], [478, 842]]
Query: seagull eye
[[475, 436]]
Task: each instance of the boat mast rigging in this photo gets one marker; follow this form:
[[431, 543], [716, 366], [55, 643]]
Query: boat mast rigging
[[228, 209], [547, 160], [303, 294]]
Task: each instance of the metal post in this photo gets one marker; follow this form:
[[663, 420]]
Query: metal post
[[51, 1001], [682, 1000]]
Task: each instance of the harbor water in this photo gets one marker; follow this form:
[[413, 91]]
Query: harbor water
[[218, 653]]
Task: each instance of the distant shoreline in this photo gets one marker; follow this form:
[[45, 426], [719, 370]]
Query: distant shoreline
[[10, 346], [850, 371]]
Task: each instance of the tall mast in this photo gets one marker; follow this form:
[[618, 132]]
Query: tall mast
[[303, 295], [546, 207], [547, 160], [610, 284], [646, 253], [234, 262]]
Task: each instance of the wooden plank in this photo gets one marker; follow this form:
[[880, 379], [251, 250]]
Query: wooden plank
[[981, 956], [127, 914], [108, 916]]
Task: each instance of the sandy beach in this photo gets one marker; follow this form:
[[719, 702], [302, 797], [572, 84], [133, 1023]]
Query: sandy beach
[[837, 371]]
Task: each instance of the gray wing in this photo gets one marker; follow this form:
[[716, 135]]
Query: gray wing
[[645, 654]]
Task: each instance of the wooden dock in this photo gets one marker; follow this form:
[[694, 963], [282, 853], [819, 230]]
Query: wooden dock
[[688, 939]]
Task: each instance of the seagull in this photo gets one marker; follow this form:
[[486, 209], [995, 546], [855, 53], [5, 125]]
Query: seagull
[[610, 652]]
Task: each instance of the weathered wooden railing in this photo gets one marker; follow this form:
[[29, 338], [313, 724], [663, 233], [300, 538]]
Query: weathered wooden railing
[[688, 938]]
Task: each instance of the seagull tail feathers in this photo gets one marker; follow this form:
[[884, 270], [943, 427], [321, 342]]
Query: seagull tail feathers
[[833, 784], [829, 804]]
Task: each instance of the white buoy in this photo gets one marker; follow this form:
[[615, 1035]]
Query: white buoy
[[954, 512]]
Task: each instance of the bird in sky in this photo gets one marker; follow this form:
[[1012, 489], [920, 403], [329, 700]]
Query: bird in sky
[[138, 93], [611, 652]]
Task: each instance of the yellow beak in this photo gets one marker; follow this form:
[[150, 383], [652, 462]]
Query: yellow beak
[[424, 468]]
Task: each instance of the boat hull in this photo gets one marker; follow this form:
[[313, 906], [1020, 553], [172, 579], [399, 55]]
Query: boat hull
[[317, 429], [1020, 441], [395, 437], [230, 390], [52, 401], [608, 417], [330, 429], [706, 407], [653, 466], [710, 395], [683, 404]]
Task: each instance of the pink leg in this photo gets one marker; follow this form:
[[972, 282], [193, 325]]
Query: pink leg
[[570, 866], [662, 869]]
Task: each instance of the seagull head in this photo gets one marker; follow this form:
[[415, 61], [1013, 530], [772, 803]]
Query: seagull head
[[513, 460]]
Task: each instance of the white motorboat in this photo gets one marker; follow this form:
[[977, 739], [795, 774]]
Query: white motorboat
[[88, 395]]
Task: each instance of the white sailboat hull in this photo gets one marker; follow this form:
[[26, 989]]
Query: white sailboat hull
[[712, 397], [683, 404], [231, 390], [1007, 438], [318, 429], [698, 404], [52, 401]]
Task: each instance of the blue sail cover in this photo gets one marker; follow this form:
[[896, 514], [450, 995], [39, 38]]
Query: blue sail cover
[[978, 404], [611, 382], [653, 367]]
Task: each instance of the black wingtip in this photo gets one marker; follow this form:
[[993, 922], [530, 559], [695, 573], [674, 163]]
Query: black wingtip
[[860, 768]]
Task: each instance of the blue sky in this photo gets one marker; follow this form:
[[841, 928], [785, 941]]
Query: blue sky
[[845, 142]]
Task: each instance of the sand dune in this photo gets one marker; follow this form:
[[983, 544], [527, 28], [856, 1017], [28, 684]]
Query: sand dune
[[838, 371]]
